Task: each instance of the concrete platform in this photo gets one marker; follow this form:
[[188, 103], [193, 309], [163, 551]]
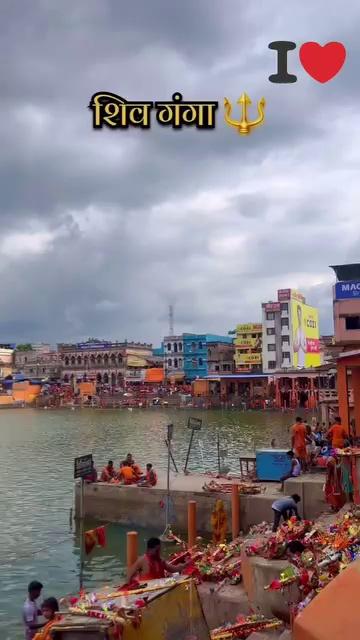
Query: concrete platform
[[145, 507]]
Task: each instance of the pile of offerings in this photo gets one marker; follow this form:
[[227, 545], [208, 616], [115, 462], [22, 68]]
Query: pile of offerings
[[317, 554], [245, 488], [212, 563]]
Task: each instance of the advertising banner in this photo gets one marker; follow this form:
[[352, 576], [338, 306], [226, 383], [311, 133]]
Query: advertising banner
[[249, 358], [272, 306], [347, 290], [284, 295], [306, 336], [249, 328], [247, 343]]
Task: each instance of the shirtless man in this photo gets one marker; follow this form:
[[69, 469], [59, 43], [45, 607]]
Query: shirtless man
[[151, 566]]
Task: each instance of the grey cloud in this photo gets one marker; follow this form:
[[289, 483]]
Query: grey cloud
[[54, 168]]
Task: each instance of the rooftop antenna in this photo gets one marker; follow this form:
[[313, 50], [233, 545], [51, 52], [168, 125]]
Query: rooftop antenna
[[171, 320]]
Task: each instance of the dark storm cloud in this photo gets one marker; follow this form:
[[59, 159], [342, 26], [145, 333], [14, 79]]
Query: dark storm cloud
[[102, 230]]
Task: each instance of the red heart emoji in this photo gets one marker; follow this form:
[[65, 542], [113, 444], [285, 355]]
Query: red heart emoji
[[322, 63]]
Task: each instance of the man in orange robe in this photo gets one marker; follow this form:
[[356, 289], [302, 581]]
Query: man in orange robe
[[337, 434], [108, 472], [298, 441]]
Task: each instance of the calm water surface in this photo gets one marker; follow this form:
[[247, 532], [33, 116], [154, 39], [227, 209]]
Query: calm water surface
[[37, 449]]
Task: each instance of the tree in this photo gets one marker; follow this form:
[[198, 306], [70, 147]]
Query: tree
[[24, 347]]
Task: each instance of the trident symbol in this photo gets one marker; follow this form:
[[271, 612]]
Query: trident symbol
[[244, 126]]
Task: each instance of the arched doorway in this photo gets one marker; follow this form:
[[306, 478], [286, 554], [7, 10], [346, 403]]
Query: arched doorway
[[113, 379], [106, 378], [98, 378]]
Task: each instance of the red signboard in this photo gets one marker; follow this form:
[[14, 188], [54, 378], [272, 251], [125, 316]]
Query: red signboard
[[312, 345], [284, 295], [272, 306]]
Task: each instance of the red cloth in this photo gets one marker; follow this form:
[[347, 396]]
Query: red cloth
[[156, 569], [93, 537], [90, 541]]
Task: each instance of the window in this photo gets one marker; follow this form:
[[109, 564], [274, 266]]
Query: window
[[285, 322], [272, 364], [175, 363], [169, 346], [271, 347], [270, 332], [72, 360], [217, 368], [169, 362], [79, 360], [193, 346], [180, 346], [175, 347], [180, 363], [285, 339], [201, 361], [194, 363], [284, 306], [270, 316], [25, 359], [286, 355], [44, 369], [352, 323], [200, 345]]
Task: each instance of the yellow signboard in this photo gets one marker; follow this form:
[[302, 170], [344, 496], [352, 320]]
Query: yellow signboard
[[135, 361], [249, 328], [305, 335], [248, 343], [248, 358]]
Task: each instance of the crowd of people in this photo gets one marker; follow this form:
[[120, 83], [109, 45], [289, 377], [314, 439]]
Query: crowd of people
[[316, 445], [128, 473]]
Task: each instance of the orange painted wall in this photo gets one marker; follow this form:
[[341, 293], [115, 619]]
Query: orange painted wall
[[87, 388], [25, 392], [154, 375], [201, 388], [334, 614], [6, 401]]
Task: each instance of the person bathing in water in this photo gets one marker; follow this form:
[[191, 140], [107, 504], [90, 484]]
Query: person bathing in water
[[151, 566]]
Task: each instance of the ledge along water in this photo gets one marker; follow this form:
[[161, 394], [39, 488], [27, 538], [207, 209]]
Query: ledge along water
[[36, 474]]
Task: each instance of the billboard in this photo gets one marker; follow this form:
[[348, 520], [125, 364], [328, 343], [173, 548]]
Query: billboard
[[249, 328], [347, 290], [290, 294], [249, 358], [273, 306], [305, 335], [247, 343]]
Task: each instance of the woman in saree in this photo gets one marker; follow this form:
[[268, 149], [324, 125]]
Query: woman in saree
[[334, 492], [49, 610]]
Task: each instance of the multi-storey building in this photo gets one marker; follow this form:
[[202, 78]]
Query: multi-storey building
[[106, 362], [173, 349], [346, 305], [290, 338], [196, 349], [248, 348], [41, 361], [6, 359]]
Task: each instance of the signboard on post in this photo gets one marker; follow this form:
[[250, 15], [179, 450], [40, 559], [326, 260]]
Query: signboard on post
[[83, 466], [194, 424]]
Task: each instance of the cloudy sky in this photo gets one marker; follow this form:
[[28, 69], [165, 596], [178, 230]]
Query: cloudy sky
[[102, 230]]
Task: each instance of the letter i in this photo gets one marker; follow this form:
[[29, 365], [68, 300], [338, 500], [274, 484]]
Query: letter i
[[282, 76]]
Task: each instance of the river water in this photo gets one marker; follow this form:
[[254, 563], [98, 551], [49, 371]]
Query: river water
[[37, 451]]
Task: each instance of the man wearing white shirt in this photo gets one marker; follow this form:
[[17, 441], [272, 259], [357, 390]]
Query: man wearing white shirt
[[31, 610]]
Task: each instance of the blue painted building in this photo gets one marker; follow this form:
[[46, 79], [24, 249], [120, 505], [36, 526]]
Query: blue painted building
[[196, 352]]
